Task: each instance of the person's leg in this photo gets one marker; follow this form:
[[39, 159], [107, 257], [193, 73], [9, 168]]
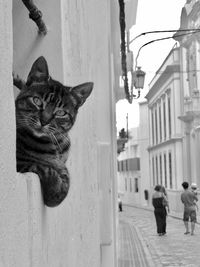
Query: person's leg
[[192, 227], [164, 222], [186, 227], [158, 216], [185, 220], [193, 221], [120, 206]]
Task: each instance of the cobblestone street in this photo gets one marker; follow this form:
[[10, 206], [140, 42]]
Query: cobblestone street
[[140, 246]]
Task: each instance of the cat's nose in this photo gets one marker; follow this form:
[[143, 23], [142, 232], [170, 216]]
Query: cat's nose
[[43, 122], [45, 118]]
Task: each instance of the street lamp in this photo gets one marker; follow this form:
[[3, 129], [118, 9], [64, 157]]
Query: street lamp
[[138, 77]]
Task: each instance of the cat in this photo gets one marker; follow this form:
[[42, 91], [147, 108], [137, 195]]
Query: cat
[[45, 112]]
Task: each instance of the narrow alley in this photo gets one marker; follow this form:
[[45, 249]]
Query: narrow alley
[[140, 246]]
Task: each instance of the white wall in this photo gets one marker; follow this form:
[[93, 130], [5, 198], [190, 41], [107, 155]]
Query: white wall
[[144, 158], [9, 208], [77, 49]]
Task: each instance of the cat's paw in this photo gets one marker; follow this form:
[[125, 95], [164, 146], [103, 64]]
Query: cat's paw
[[18, 82]]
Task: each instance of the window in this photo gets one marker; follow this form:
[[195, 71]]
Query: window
[[152, 118], [156, 123], [126, 186], [122, 169], [170, 169], [126, 162], [134, 164], [161, 180], [118, 166], [169, 116], [160, 123], [124, 165], [165, 169], [136, 185], [164, 119], [153, 171], [156, 170], [131, 185]]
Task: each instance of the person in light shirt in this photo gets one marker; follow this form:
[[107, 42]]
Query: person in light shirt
[[189, 198]]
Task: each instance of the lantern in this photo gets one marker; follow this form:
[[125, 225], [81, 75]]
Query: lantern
[[138, 78]]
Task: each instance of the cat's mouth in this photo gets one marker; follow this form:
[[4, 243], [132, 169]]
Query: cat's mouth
[[40, 130], [44, 130]]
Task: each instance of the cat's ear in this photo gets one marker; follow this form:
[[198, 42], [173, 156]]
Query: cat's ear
[[39, 72], [82, 92]]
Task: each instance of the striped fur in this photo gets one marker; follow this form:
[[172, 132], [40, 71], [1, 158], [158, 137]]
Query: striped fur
[[45, 112]]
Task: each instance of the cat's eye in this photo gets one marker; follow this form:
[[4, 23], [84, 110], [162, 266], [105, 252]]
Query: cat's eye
[[60, 113], [37, 101]]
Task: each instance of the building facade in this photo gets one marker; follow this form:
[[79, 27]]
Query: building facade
[[129, 178], [133, 163], [143, 142], [166, 129], [171, 151], [190, 84]]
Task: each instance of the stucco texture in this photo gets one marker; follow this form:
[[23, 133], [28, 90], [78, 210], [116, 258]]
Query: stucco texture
[[76, 52]]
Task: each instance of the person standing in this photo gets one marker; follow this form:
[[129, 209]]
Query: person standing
[[160, 213], [189, 199], [119, 203]]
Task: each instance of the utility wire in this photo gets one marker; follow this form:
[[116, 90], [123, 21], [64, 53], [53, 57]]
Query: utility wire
[[163, 31], [160, 39]]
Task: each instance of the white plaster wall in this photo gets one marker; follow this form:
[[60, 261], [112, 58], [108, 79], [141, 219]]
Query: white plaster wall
[[10, 209], [87, 56], [76, 51], [144, 135]]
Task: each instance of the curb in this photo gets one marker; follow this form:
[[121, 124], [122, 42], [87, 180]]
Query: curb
[[147, 253]]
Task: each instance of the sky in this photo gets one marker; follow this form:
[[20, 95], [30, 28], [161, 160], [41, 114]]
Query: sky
[[152, 15]]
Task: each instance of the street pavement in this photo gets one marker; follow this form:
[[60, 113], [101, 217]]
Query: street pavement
[[140, 246]]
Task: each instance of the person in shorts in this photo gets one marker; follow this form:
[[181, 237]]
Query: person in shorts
[[189, 198]]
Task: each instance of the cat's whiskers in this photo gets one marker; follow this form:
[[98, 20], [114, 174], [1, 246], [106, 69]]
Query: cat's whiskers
[[26, 118], [65, 139], [53, 137], [21, 122], [54, 140], [58, 132], [51, 128]]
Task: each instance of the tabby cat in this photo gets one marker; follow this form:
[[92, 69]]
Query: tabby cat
[[45, 112]]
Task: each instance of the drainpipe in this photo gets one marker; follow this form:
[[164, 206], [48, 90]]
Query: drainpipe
[[36, 15]]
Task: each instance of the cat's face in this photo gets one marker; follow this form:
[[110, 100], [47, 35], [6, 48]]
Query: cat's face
[[45, 106]]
